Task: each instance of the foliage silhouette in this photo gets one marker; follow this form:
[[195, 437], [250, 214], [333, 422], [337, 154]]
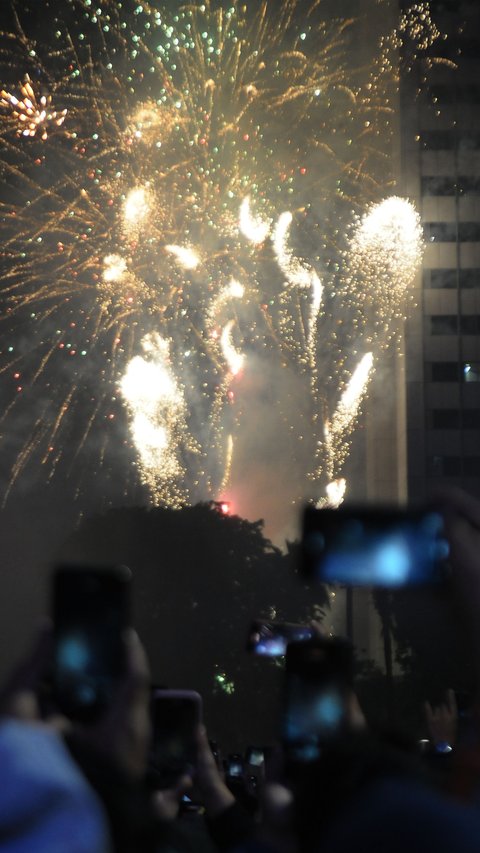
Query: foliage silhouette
[[200, 576]]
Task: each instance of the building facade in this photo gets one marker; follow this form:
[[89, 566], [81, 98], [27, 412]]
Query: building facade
[[441, 172]]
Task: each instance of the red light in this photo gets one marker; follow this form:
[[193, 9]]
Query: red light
[[225, 507]]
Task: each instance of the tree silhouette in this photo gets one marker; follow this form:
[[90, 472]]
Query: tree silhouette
[[200, 576]]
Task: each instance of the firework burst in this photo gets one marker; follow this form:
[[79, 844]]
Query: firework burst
[[192, 214]]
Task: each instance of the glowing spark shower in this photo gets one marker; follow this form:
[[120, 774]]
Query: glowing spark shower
[[350, 400], [256, 230], [197, 218], [32, 114], [234, 359], [185, 255], [384, 253], [157, 411], [337, 431], [115, 268], [136, 207]]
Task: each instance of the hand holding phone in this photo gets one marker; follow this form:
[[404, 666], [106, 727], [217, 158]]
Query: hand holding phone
[[318, 685], [176, 715]]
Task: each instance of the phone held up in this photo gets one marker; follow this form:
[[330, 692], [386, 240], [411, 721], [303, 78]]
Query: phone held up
[[318, 683], [175, 716], [270, 639], [255, 756], [91, 612], [235, 766], [373, 546]]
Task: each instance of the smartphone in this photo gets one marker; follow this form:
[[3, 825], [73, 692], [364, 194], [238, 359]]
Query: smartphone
[[270, 639], [255, 756], [91, 612], [175, 715], [235, 765], [373, 546], [318, 681]]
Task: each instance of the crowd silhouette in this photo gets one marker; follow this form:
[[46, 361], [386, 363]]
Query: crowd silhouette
[[106, 780]]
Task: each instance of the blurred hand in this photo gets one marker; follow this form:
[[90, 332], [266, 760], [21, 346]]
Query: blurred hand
[[167, 802], [18, 696], [123, 732], [317, 628], [355, 716], [442, 720], [215, 795], [462, 527], [276, 829]]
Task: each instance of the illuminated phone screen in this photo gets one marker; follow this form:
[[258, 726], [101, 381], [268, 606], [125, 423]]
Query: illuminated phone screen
[[381, 547], [90, 612]]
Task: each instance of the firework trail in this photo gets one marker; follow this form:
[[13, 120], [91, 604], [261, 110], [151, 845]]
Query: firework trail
[[188, 191]]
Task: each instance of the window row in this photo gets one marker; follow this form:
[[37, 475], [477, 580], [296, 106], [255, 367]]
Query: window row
[[465, 93], [453, 371], [450, 232], [448, 140], [451, 278], [453, 324], [436, 185], [454, 419], [454, 466], [455, 48]]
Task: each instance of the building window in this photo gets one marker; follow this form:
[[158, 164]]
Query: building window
[[456, 48], [470, 324], [446, 279], [444, 94], [446, 140], [469, 278], [446, 232], [443, 324], [445, 418], [468, 185], [438, 140], [436, 185], [469, 48], [441, 232], [454, 419], [445, 466], [471, 418], [440, 279], [469, 231], [450, 324], [444, 371], [471, 371], [469, 142], [468, 93], [471, 466]]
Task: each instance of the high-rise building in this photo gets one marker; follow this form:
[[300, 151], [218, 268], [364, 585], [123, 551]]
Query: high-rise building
[[441, 172], [423, 413]]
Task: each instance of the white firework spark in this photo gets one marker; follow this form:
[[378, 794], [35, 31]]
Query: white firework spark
[[157, 413], [186, 256], [252, 227], [233, 357], [115, 268]]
